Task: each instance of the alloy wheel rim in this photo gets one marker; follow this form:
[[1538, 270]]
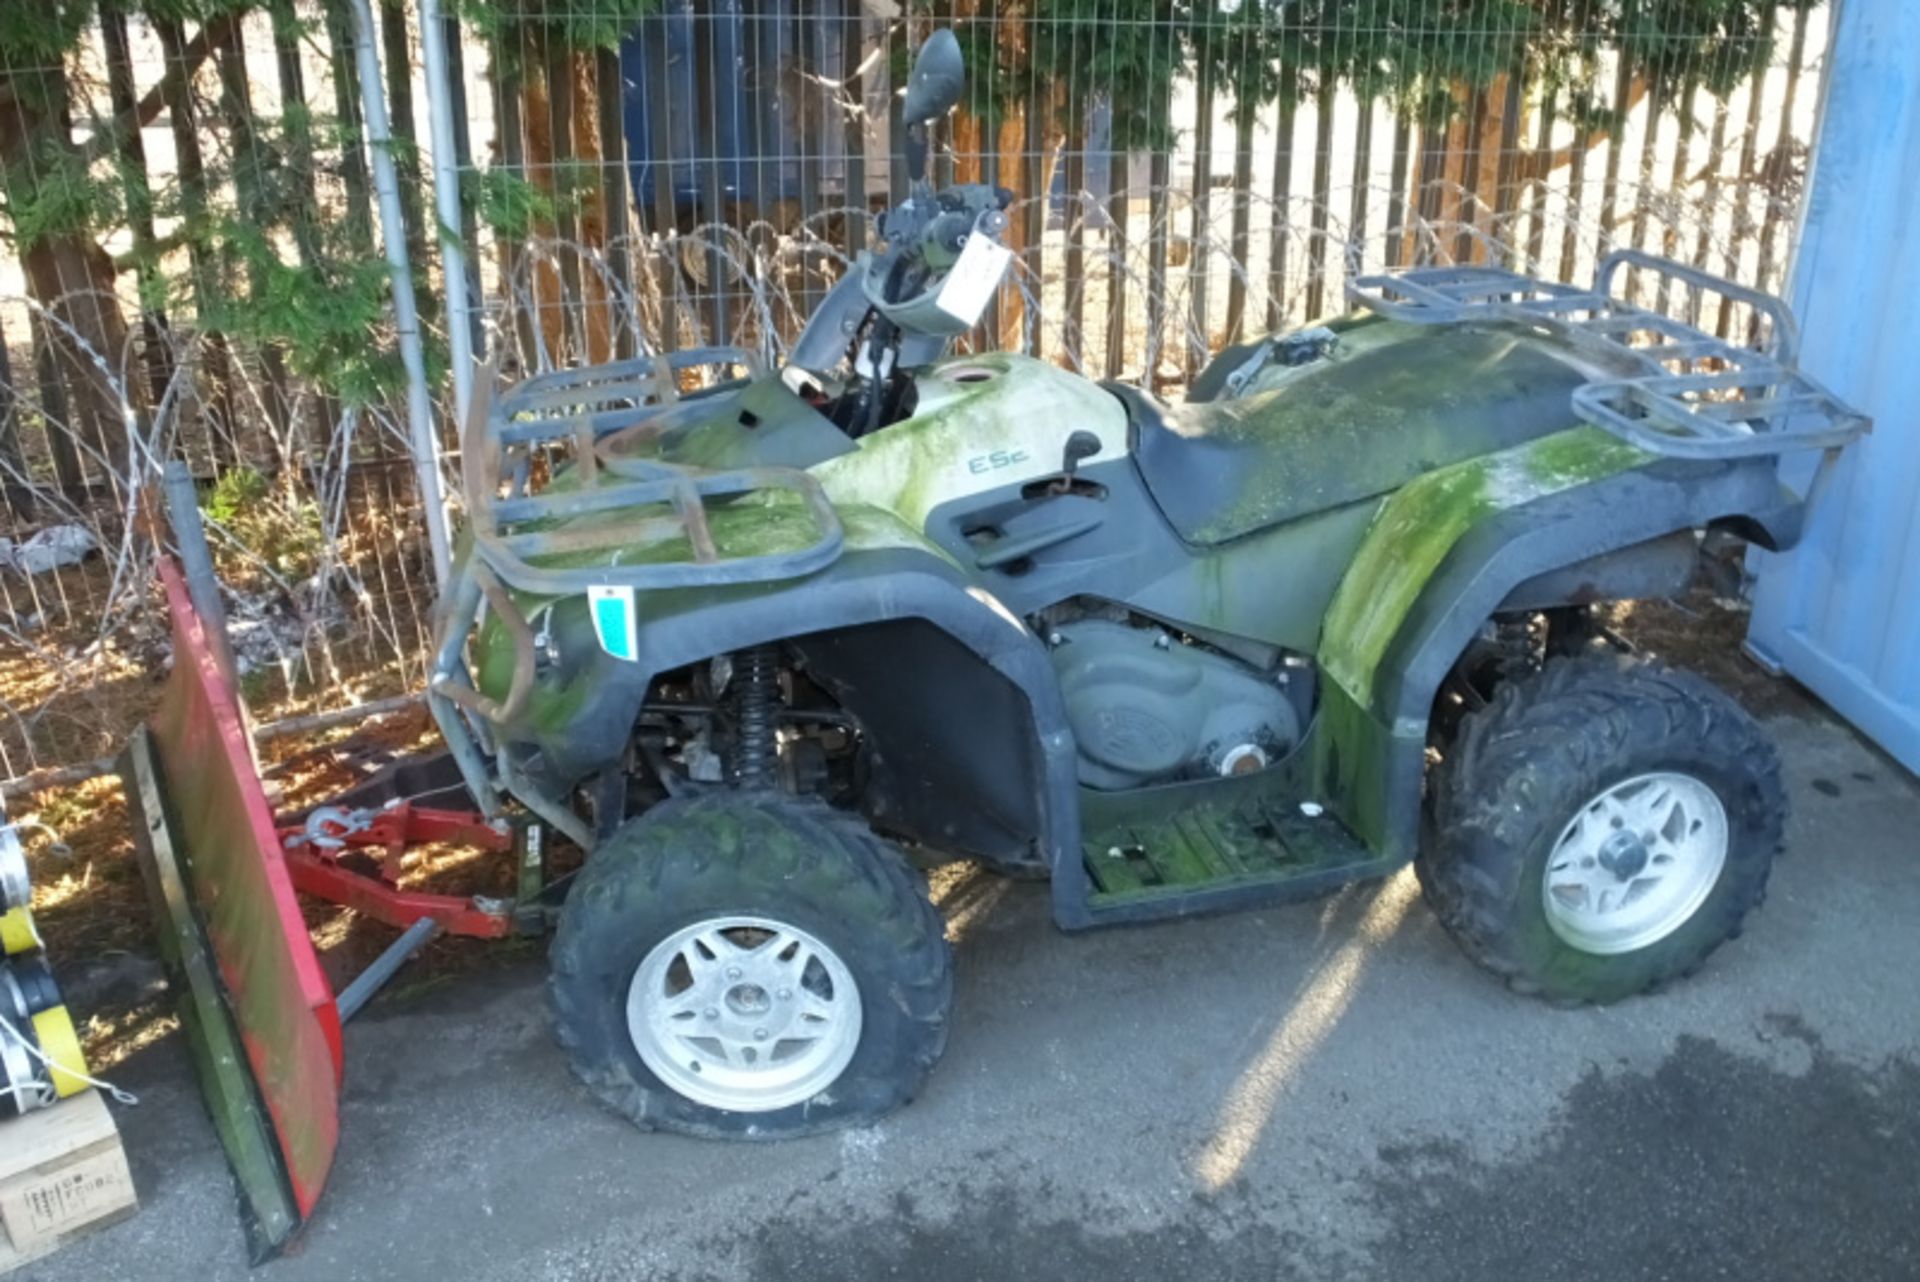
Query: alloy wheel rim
[[744, 1013], [1635, 863]]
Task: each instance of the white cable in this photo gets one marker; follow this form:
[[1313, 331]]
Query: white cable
[[120, 1096], [44, 1091]]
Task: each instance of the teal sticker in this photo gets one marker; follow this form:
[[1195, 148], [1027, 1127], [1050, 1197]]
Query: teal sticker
[[614, 622]]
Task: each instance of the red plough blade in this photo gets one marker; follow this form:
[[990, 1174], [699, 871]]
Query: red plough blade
[[258, 1011]]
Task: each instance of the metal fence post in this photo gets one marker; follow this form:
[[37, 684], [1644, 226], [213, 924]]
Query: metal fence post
[[406, 314], [446, 202]]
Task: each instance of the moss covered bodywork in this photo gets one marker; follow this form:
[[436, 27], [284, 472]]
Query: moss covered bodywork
[[1416, 528], [977, 422], [1391, 403], [755, 526], [1316, 514], [1410, 537]]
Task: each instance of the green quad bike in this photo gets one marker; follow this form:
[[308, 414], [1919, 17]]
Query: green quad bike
[[751, 644]]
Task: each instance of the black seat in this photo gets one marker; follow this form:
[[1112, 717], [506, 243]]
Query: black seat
[[1393, 402]]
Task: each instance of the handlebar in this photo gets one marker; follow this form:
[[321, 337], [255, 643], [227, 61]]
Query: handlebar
[[925, 237]]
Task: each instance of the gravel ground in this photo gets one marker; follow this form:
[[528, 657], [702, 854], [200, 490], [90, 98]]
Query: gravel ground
[[1325, 1091]]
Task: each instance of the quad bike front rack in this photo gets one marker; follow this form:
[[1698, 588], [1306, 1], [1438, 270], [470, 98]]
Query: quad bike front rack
[[602, 412], [601, 419], [1680, 391]]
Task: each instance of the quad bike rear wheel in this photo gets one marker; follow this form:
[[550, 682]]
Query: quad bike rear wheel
[[752, 966], [1601, 827]]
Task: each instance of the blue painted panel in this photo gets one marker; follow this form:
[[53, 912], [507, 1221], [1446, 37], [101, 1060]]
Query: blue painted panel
[[653, 59], [1842, 611], [712, 101], [709, 100]]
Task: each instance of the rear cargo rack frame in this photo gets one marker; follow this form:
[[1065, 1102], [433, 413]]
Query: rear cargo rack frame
[[1684, 394]]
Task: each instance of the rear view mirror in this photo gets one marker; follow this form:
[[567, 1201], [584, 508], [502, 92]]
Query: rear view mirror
[[939, 73], [933, 87]]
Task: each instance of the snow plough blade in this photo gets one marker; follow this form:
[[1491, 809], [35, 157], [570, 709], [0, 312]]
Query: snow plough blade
[[257, 1011]]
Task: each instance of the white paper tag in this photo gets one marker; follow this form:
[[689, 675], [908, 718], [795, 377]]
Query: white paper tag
[[973, 278], [615, 621]]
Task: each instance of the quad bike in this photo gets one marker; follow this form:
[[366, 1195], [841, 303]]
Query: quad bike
[[764, 640]]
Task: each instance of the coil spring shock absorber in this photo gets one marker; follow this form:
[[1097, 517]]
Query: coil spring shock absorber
[[756, 697]]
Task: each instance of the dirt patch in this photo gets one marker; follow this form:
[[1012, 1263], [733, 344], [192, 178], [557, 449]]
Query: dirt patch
[[1704, 632]]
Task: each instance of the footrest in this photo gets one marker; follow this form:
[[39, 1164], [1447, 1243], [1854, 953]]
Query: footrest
[[1211, 855]]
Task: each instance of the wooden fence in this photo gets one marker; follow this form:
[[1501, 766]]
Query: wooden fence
[[1152, 228]]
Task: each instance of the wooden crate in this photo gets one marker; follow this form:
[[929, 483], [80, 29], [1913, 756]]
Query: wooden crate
[[62, 1174]]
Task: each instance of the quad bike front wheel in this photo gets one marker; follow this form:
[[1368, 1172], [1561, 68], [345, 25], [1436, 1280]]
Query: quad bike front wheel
[[750, 966], [1601, 827]]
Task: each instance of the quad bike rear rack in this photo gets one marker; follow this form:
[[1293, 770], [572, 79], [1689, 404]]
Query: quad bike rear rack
[[1680, 391], [594, 418]]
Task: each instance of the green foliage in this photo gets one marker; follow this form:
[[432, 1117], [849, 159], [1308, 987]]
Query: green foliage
[[506, 202], [277, 264], [992, 90], [1418, 54], [1412, 52], [236, 492], [1091, 46], [283, 530], [278, 267], [50, 192], [1259, 53], [195, 11], [1069, 54], [519, 209], [325, 317], [1713, 44], [38, 34]]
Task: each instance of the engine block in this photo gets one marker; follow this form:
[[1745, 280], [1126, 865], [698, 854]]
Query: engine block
[[1147, 707]]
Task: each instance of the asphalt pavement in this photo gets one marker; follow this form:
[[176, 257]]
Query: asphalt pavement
[[1325, 1091]]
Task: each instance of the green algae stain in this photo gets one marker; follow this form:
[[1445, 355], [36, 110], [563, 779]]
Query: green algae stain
[[1412, 534], [765, 523], [1582, 455], [493, 650], [1420, 524], [1349, 766], [1395, 402]]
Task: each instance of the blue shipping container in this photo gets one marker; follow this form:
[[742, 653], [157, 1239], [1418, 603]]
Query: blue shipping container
[[1842, 611]]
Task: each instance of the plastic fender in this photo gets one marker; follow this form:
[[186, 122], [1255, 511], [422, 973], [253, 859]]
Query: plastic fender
[[1446, 550], [591, 711]]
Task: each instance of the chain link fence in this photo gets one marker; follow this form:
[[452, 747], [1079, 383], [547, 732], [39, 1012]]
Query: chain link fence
[[191, 253]]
